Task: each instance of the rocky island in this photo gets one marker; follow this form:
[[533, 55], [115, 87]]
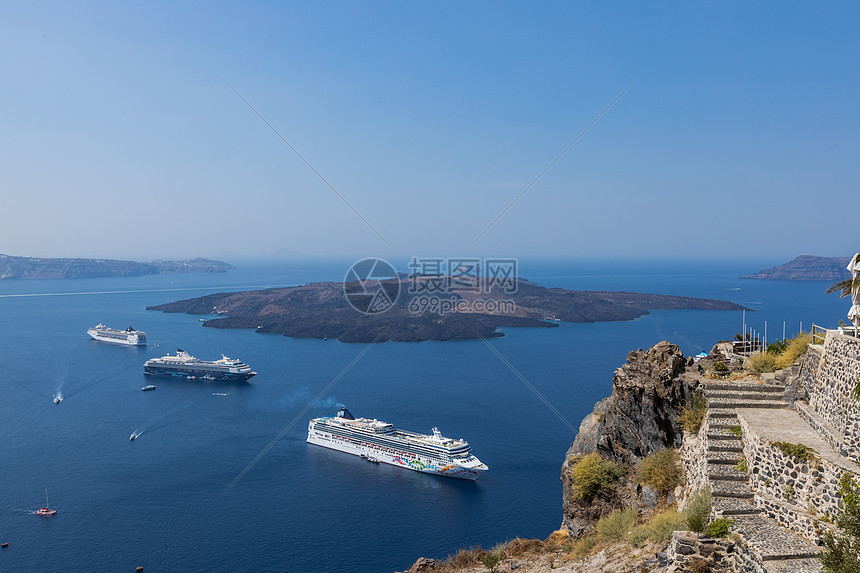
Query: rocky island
[[321, 310], [61, 268], [806, 268]]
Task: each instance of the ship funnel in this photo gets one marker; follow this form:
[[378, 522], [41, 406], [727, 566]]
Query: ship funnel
[[345, 414]]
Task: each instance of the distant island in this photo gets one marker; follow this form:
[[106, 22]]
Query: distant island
[[806, 268], [320, 310], [56, 268]]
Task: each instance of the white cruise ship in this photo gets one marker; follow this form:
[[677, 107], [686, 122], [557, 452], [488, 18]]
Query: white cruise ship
[[375, 440], [129, 336]]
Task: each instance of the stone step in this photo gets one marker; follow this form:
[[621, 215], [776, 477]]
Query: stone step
[[738, 395], [745, 387], [722, 423], [725, 447], [729, 506], [723, 403], [725, 472], [736, 489], [771, 541], [722, 458], [802, 565], [722, 435], [715, 412]]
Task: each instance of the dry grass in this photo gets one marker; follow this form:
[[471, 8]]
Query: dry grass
[[658, 529], [462, 559], [797, 346], [762, 362]]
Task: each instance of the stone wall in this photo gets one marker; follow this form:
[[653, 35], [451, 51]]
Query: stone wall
[[721, 555], [795, 494], [830, 388], [809, 364], [694, 459]]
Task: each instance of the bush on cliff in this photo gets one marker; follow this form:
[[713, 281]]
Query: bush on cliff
[[842, 551], [592, 475], [661, 471], [693, 414], [491, 559]]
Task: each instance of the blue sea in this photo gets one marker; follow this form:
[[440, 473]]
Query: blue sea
[[165, 501]]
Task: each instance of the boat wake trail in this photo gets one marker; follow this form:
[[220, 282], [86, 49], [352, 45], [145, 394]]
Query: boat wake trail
[[100, 380], [25, 387], [163, 420]]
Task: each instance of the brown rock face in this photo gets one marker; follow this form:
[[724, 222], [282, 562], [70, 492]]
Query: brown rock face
[[638, 418], [423, 564]]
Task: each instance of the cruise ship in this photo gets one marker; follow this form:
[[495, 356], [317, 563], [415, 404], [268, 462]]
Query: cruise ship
[[129, 336], [372, 439], [184, 365]]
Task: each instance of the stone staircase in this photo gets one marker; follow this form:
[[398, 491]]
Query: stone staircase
[[780, 550]]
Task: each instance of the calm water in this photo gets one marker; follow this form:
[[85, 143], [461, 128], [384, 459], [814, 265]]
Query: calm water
[[162, 501]]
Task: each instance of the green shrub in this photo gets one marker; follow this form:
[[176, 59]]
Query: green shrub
[[658, 529], [795, 349], [693, 414], [720, 368], [742, 466], [661, 470], [762, 362], [736, 431], [491, 559], [777, 347], [618, 525], [798, 451], [592, 474], [719, 527], [698, 511]]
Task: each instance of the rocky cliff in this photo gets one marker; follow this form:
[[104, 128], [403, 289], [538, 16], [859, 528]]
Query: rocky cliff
[[639, 417]]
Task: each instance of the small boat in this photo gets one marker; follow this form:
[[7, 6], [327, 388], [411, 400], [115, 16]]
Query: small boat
[[371, 459], [47, 509], [134, 435], [57, 400], [220, 393], [148, 388], [201, 320]]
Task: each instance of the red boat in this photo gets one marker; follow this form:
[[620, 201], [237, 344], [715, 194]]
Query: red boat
[[47, 509]]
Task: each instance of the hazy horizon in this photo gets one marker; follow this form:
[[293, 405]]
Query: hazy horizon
[[123, 140]]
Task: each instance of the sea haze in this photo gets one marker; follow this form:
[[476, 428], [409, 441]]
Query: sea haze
[[162, 501]]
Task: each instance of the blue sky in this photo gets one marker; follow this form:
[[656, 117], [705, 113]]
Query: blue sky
[[121, 138]]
